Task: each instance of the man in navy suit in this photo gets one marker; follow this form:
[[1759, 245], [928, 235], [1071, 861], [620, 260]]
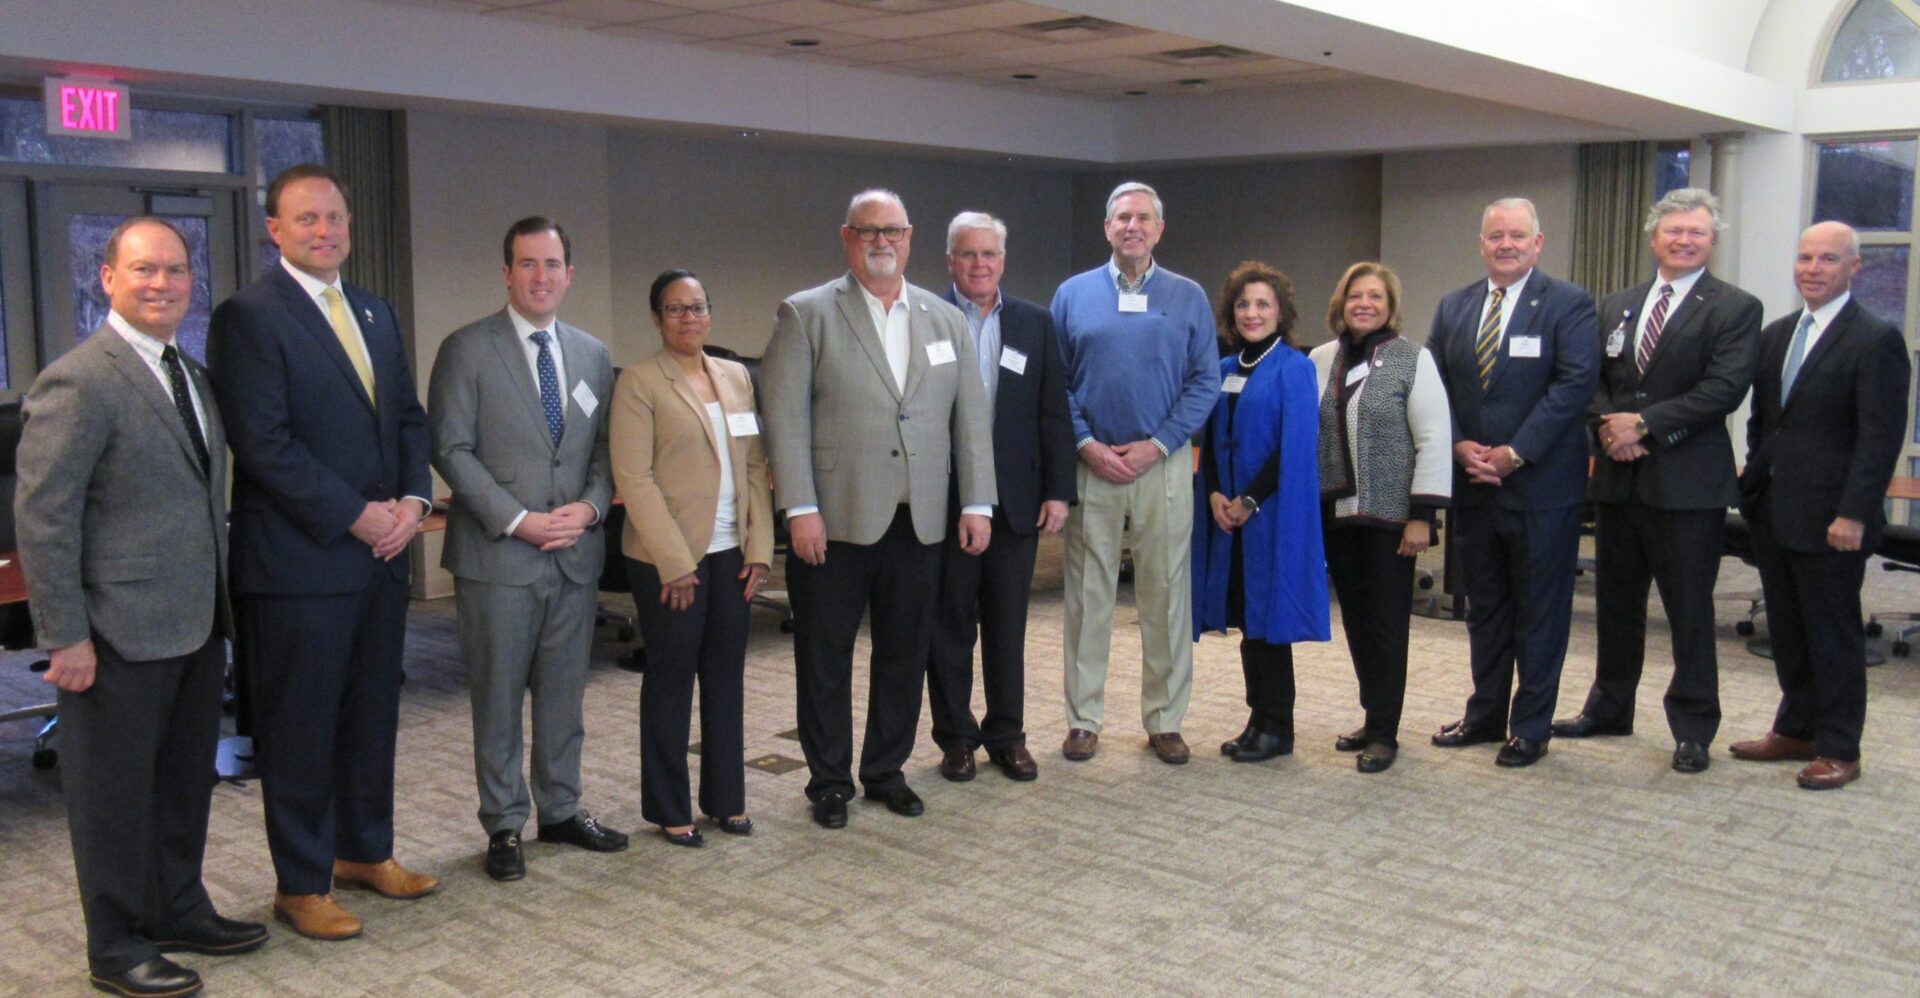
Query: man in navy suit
[[330, 450], [1033, 463], [1830, 410], [1519, 354]]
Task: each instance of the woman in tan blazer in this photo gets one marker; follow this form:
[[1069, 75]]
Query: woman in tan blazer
[[698, 540]]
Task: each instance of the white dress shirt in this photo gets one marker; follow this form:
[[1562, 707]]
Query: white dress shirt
[[1682, 287], [149, 350], [1822, 318], [1512, 295], [726, 532]]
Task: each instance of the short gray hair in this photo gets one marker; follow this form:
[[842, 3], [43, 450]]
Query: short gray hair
[[1685, 199], [969, 220], [1136, 187], [1532, 212], [873, 194]]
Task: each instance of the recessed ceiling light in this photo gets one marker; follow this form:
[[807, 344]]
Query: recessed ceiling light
[[1133, 93], [1328, 52], [748, 134], [803, 43], [1026, 76]]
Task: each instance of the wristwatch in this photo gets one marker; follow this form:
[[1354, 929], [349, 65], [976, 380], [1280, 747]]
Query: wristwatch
[[1247, 502], [1640, 426], [1518, 461]]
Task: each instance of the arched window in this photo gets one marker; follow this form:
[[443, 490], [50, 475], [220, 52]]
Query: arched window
[[1878, 40]]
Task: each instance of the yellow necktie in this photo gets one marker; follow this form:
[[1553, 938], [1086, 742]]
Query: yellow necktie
[[1486, 348], [349, 340]]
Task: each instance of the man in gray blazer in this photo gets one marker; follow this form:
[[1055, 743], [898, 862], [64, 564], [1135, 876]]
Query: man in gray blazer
[[872, 399], [121, 521], [517, 408]]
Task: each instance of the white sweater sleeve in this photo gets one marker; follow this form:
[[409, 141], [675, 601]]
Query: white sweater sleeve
[[1432, 426]]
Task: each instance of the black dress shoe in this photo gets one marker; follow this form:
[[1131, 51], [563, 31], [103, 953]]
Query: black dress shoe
[[1458, 735], [957, 765], [1585, 725], [691, 838], [1377, 757], [1239, 741], [581, 830], [1690, 757], [1352, 741], [156, 978], [217, 936], [830, 811], [1519, 752], [900, 800], [734, 826], [504, 858], [1263, 746]]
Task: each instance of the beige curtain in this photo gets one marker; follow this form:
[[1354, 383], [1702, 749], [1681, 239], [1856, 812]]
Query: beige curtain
[[366, 147], [1615, 186]]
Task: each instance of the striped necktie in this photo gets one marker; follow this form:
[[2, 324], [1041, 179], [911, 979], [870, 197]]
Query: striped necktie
[[1486, 347], [1656, 321]]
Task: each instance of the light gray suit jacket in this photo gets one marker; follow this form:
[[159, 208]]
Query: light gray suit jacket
[[491, 444], [842, 437], [121, 534]]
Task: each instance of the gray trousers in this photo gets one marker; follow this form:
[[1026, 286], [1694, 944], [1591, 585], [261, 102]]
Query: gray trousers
[[520, 639]]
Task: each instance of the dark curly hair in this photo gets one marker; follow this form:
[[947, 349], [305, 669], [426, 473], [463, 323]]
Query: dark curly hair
[[1255, 272]]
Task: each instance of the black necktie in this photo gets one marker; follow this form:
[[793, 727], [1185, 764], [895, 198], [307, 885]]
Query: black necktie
[[184, 403]]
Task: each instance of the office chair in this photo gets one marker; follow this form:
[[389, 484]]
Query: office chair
[[16, 625]]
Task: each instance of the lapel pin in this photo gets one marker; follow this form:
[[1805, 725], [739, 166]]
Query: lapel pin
[[923, 306], [368, 313], [1535, 303]]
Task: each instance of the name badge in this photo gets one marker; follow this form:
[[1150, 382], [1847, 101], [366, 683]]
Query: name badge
[[1013, 360], [742, 424], [1132, 303], [1233, 383], [940, 352], [1524, 346], [1357, 374], [1617, 341], [585, 397]]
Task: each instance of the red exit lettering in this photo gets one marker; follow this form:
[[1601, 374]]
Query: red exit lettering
[[90, 109]]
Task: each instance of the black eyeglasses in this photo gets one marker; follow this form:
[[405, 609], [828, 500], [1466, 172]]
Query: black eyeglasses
[[679, 311], [868, 233]]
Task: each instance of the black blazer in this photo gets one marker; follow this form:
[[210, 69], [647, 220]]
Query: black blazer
[[1033, 452], [1700, 371], [1837, 439], [1535, 404]]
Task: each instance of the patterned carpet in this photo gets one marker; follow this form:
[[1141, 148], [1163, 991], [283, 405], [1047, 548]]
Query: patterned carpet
[[1597, 871]]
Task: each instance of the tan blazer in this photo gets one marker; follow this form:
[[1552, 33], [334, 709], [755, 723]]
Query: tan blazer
[[667, 468]]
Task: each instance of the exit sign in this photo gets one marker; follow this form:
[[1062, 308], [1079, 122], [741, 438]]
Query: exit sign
[[89, 108]]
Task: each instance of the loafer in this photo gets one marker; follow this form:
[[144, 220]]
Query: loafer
[[386, 878], [1352, 741], [830, 811], [901, 800], [1518, 752], [1080, 745], [505, 860], [1690, 757], [1584, 725], [217, 936], [1828, 774], [156, 978], [956, 764], [1015, 762], [742, 825], [581, 830], [1171, 748], [1377, 757], [1458, 735], [691, 838], [1774, 747], [1261, 747], [316, 916]]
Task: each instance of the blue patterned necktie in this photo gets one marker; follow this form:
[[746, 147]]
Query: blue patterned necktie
[[550, 402], [1796, 355]]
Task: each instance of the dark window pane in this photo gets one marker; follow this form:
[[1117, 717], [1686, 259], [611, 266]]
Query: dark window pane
[[87, 235], [282, 143], [6, 379], [1868, 185], [1670, 169], [1875, 42], [1881, 284], [162, 140], [1913, 507]]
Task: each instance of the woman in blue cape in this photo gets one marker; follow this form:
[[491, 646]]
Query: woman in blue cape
[[1257, 548]]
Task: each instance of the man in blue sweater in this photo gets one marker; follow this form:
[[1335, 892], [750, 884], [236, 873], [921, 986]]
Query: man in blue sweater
[[1142, 375]]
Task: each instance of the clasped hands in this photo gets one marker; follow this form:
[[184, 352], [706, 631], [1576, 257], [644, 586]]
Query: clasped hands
[[388, 526], [1621, 438], [1120, 463], [558, 529], [1483, 464]]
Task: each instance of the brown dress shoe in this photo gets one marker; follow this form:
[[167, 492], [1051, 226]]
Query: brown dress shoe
[[1015, 761], [957, 765], [1080, 745], [1774, 747], [386, 878], [1170, 747], [1829, 774], [316, 916]]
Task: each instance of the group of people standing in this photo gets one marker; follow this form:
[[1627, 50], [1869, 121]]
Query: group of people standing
[[918, 445]]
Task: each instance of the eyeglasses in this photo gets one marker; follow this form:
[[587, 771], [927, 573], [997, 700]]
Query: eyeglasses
[[868, 233], [679, 311]]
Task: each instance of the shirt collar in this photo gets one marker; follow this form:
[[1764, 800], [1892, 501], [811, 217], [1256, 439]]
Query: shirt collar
[[1823, 316], [875, 303], [1682, 285], [1114, 273], [312, 284], [148, 345], [525, 327], [1513, 290], [966, 304]]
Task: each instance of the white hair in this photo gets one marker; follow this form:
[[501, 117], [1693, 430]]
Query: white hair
[[1853, 236], [1532, 212], [971, 220], [1685, 199], [1136, 187], [873, 194]]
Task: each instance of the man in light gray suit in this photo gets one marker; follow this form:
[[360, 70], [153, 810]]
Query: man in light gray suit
[[121, 521], [872, 398], [517, 408]]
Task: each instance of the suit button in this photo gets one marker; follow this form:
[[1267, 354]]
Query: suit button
[[903, 417], [896, 453], [556, 462]]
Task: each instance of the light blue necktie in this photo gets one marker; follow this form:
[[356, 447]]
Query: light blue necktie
[[550, 402], [1796, 354]]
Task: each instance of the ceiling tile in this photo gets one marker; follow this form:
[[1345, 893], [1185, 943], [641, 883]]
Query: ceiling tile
[[714, 4], [464, 5], [829, 39], [1128, 68], [803, 12], [610, 11], [902, 26], [999, 14], [971, 42], [715, 24], [885, 52], [645, 30], [537, 16]]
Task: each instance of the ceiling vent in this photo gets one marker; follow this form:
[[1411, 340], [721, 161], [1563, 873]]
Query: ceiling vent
[[909, 6], [1209, 55], [1074, 29]]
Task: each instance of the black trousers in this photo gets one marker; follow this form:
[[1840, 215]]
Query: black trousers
[[136, 766], [1518, 566], [707, 640], [1268, 671], [1375, 587], [1819, 652], [327, 710], [1678, 550], [895, 579], [988, 593]]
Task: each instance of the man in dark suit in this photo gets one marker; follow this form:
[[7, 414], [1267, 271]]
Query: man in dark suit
[[1679, 355], [330, 451], [1033, 465], [1829, 413], [121, 516], [1519, 355]]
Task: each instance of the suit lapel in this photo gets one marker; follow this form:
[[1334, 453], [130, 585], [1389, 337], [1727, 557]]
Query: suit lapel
[[306, 312], [575, 362], [684, 389], [1684, 316], [853, 308], [1829, 340], [513, 360], [919, 334], [134, 369]]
